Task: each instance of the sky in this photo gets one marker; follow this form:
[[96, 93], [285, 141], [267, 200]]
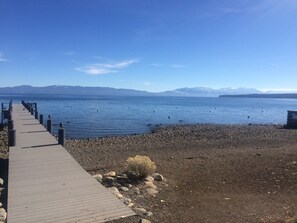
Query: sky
[[152, 45]]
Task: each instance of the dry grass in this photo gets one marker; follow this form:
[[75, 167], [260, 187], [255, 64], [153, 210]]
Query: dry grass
[[142, 166]]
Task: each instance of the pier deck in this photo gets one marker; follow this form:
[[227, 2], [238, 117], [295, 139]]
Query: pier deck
[[46, 184]]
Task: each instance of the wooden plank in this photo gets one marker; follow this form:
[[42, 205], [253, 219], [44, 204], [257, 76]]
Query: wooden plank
[[47, 185]]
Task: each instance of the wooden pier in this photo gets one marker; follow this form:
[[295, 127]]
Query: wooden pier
[[46, 184]]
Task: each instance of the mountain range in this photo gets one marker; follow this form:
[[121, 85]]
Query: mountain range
[[107, 91]]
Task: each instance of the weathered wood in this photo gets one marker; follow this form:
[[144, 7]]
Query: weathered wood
[[47, 185]]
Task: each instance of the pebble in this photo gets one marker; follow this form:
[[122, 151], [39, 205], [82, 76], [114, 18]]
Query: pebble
[[130, 205], [149, 178], [126, 189], [157, 177], [0, 204], [3, 214], [139, 197], [149, 213], [110, 174], [1, 181], [98, 177], [126, 200], [119, 195], [141, 210], [151, 191], [149, 184], [144, 221], [114, 190]]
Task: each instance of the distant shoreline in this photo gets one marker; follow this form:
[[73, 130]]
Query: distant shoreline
[[277, 96]]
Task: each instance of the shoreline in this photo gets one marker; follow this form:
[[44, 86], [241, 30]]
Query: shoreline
[[214, 173], [235, 173]]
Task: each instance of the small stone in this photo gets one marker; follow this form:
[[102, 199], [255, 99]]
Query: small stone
[[149, 184], [1, 181], [0, 204], [119, 195], [149, 178], [126, 200], [114, 190], [139, 197], [151, 191], [130, 205], [129, 185], [157, 177], [98, 177], [110, 174], [144, 221], [149, 213], [3, 214], [125, 189], [140, 210]]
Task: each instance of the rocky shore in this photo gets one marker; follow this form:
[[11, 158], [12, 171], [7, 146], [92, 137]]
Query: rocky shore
[[210, 173], [3, 174], [215, 173]]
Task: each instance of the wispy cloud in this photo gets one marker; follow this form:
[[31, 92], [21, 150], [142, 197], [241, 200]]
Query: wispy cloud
[[2, 58], [106, 68], [147, 83]]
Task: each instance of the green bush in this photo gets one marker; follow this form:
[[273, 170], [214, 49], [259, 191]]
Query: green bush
[[142, 166]]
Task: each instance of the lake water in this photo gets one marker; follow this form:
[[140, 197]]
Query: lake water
[[108, 116]]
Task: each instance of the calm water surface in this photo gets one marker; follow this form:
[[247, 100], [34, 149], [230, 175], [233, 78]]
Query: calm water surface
[[107, 116]]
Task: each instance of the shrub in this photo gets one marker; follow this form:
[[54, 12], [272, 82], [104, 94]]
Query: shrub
[[142, 166]]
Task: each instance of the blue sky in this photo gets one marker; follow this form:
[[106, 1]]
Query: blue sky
[[152, 45]]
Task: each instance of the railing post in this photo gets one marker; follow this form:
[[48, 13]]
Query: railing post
[[31, 110], [61, 135], [49, 124], [10, 125], [36, 114], [11, 137], [41, 119]]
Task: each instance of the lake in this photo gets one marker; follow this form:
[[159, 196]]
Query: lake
[[96, 116]]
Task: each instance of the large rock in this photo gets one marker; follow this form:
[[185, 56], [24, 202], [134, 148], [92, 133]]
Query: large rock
[[3, 214], [157, 177]]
